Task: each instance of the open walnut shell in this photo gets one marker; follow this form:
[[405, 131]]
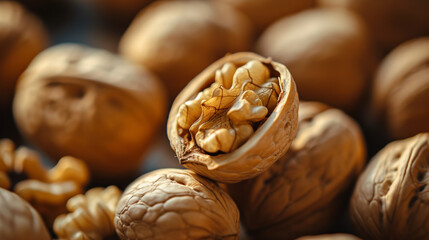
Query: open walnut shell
[[391, 198], [305, 191], [235, 119]]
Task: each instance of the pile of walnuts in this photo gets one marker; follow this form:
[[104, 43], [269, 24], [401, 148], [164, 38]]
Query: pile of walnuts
[[288, 120]]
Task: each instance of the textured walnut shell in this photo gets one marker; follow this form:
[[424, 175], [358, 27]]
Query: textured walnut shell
[[92, 104], [390, 200], [328, 52], [306, 190], [401, 89], [390, 22], [268, 143], [22, 37], [176, 204], [18, 220], [337, 236], [178, 39], [263, 13]]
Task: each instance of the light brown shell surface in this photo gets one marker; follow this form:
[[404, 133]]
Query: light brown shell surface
[[176, 204], [22, 37], [18, 220], [178, 39], [336, 236], [268, 143], [306, 190], [92, 104], [391, 198], [328, 52], [401, 89]]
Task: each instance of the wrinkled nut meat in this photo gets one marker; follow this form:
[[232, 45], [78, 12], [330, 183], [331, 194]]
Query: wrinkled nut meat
[[19, 220], [22, 37], [176, 204], [46, 190], [91, 215], [337, 236], [401, 90], [391, 199], [303, 193], [91, 104], [235, 119]]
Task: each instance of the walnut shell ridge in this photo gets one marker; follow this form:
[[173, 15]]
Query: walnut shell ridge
[[391, 197], [269, 142], [176, 204]]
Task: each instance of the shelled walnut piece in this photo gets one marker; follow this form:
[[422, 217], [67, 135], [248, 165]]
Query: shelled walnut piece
[[91, 215], [176, 204], [305, 192], [47, 190], [19, 220], [391, 199], [235, 119]]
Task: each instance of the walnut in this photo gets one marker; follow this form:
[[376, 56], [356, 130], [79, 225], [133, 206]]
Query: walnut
[[91, 104], [176, 204], [19, 221], [263, 13], [401, 89], [390, 200], [390, 22], [46, 190], [305, 191], [22, 37], [178, 39], [337, 236], [328, 52], [91, 215], [235, 119]]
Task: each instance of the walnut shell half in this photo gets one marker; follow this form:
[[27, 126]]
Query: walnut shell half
[[245, 109], [391, 198], [305, 191], [176, 204]]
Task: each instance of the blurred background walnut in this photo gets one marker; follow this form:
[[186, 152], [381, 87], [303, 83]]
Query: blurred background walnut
[[235, 119], [390, 22], [178, 39], [89, 103], [176, 204], [22, 37], [305, 191], [19, 220], [337, 236], [263, 13], [91, 215], [391, 199], [401, 89], [327, 51]]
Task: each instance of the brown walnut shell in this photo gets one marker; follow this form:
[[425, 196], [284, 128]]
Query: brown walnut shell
[[22, 37], [268, 143], [328, 52], [176, 204], [401, 89], [19, 220], [92, 104], [178, 39], [305, 192], [336, 236], [391, 197]]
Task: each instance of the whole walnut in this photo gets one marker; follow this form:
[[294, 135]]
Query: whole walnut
[[19, 220], [176, 204], [178, 39], [306, 191], [22, 37], [391, 200], [390, 22], [263, 13], [401, 89], [92, 104], [327, 51], [235, 119]]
